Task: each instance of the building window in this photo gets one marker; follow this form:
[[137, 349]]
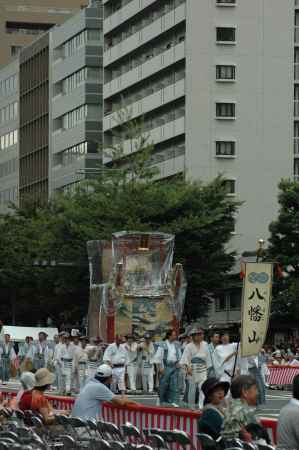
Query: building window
[[15, 50], [81, 39], [71, 119], [8, 167], [70, 155], [235, 300], [225, 110], [230, 186], [225, 72], [226, 35], [225, 148], [8, 139], [9, 112], [8, 86], [226, 2], [220, 304], [87, 74], [27, 27]]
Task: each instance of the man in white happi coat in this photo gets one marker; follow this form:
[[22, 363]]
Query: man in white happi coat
[[226, 359], [195, 360], [95, 356], [26, 355], [80, 363], [41, 351], [214, 342], [67, 355], [132, 361], [116, 355], [57, 359], [147, 353], [7, 358]]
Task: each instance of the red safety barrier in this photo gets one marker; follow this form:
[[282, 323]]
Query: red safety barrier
[[271, 425], [282, 375], [144, 417]]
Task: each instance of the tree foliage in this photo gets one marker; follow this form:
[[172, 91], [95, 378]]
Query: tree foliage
[[284, 250], [120, 198]]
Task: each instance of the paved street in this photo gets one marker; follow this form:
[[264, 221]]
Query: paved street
[[275, 400]]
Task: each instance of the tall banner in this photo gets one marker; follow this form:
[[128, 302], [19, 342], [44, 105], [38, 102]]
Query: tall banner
[[256, 302]]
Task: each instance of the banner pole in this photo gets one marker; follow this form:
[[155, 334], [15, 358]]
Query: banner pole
[[236, 357]]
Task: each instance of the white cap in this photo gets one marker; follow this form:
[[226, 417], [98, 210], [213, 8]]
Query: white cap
[[104, 371], [75, 332]]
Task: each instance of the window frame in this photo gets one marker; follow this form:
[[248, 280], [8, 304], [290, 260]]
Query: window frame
[[226, 3], [218, 143], [225, 117], [226, 42], [232, 193], [218, 69]]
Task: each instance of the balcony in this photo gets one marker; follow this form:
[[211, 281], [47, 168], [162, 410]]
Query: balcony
[[65, 138], [125, 13], [149, 103], [158, 134], [146, 34], [170, 167], [145, 70]]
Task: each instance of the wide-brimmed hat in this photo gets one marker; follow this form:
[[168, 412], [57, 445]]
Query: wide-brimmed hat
[[43, 377], [211, 384]]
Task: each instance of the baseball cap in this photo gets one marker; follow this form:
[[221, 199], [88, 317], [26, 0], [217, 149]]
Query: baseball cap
[[104, 371]]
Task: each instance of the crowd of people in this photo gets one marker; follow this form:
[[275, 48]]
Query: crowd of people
[[212, 375], [175, 367]]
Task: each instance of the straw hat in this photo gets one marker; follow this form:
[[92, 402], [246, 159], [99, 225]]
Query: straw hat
[[43, 377]]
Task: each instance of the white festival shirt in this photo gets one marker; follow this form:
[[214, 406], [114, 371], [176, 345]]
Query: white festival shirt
[[199, 370], [220, 354], [116, 355]]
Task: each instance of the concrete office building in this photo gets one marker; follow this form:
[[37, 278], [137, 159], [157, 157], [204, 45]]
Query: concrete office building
[[9, 124], [214, 79], [21, 21], [34, 121], [76, 84]]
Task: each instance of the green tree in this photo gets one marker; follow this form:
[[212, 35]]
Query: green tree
[[123, 197], [284, 250]]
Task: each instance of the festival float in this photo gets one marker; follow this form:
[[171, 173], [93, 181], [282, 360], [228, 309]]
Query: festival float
[[134, 286]]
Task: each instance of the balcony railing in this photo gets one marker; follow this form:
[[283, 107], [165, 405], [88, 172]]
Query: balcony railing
[[296, 35], [296, 146], [296, 108]]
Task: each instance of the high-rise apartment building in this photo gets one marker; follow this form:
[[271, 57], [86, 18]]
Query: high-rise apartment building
[[21, 21], [76, 86], [9, 135], [214, 81]]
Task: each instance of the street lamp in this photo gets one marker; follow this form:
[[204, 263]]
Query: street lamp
[[260, 249]]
